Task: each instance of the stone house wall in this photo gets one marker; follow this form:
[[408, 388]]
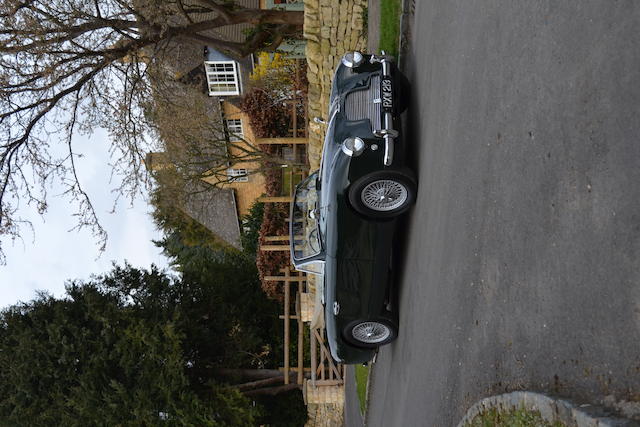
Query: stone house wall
[[246, 192]]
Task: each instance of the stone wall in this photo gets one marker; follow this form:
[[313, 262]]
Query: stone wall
[[331, 28], [307, 305], [325, 415], [325, 405]]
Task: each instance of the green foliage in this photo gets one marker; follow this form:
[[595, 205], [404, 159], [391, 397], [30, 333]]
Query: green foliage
[[102, 356], [285, 410], [141, 347], [222, 291], [362, 377], [390, 26], [251, 229], [514, 418], [365, 21]]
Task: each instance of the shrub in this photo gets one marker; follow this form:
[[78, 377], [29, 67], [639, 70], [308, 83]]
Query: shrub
[[269, 263], [269, 117]]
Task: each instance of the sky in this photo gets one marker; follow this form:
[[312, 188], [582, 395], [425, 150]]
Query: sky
[[50, 256]]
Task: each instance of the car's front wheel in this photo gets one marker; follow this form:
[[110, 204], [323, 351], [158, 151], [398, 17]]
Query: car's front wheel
[[370, 333], [383, 194]]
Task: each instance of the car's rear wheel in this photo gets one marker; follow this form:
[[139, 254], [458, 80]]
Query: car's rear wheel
[[370, 333], [383, 194]]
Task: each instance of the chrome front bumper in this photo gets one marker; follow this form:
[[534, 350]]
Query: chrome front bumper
[[388, 133]]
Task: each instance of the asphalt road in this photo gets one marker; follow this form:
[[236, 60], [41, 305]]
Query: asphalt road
[[521, 258]]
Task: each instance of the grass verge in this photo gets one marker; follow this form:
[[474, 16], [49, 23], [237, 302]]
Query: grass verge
[[390, 25], [290, 174], [515, 418], [362, 376]]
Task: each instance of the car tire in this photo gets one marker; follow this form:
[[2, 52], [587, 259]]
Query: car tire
[[370, 333], [383, 194]]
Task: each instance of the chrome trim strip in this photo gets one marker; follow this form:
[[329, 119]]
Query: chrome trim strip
[[388, 121], [388, 140], [386, 67]]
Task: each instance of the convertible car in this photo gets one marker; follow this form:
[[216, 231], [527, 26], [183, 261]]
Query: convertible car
[[343, 217]]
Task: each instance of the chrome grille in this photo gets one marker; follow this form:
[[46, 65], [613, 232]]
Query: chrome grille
[[360, 105]]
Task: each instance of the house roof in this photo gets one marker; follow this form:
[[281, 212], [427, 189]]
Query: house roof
[[233, 33], [215, 208], [183, 55]]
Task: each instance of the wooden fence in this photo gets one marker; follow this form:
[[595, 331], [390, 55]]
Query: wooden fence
[[324, 371]]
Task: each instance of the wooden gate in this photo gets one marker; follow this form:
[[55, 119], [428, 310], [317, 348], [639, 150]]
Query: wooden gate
[[324, 371], [288, 278]]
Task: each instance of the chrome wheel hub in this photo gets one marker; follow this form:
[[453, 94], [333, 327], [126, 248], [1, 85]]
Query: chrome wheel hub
[[370, 332], [384, 195]]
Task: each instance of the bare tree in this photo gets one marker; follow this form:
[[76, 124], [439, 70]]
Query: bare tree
[[195, 141], [74, 65]]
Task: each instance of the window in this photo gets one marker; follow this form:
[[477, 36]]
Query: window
[[222, 78], [237, 175], [235, 129]]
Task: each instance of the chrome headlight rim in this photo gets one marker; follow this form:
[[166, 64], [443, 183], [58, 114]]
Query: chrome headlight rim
[[353, 147], [353, 59]]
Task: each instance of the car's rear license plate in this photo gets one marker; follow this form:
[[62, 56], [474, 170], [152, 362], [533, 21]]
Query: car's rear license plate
[[387, 94]]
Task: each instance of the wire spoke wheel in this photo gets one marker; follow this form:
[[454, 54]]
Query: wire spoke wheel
[[384, 195], [370, 332]]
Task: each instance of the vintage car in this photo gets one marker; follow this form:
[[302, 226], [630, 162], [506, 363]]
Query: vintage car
[[343, 217]]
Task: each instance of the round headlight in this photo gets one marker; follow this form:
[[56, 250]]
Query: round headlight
[[352, 59], [353, 146]]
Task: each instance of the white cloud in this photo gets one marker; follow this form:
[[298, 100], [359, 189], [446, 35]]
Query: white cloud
[[58, 255]]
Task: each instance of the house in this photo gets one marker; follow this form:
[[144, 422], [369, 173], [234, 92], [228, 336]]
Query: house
[[244, 177], [223, 79]]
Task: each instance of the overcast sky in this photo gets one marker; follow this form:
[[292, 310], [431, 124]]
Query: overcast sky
[[51, 255]]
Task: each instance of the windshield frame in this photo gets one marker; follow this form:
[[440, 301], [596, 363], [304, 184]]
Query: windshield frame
[[315, 258]]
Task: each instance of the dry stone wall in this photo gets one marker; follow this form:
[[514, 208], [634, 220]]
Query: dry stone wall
[[325, 405], [331, 28]]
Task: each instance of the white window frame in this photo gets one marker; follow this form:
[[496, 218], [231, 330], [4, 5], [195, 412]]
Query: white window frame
[[222, 78], [234, 126], [237, 175]]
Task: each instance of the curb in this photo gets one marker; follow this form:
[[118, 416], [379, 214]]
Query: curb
[[408, 7], [551, 409]]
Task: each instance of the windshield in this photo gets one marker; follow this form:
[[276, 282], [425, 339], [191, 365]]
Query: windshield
[[305, 237]]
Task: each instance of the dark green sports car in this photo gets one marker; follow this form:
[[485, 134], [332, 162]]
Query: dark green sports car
[[343, 217]]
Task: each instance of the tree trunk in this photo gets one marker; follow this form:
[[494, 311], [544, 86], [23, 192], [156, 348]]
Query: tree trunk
[[249, 374], [272, 391], [263, 383]]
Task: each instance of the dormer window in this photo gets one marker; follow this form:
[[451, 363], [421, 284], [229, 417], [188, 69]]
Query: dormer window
[[222, 78]]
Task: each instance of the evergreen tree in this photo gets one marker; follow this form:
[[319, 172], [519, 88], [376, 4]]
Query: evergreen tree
[[100, 356]]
